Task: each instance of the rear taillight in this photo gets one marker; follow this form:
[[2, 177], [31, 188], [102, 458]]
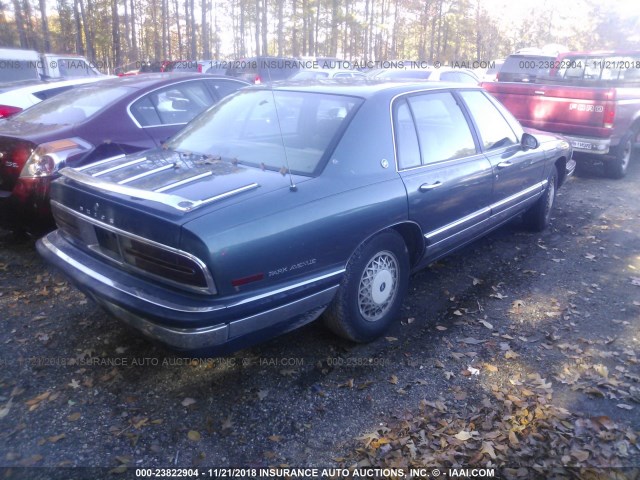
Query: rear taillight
[[199, 68], [610, 109], [8, 110], [49, 157]]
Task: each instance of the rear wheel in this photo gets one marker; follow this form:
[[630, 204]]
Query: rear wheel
[[537, 218], [618, 166], [372, 290]]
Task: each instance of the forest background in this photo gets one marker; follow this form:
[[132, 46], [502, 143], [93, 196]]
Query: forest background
[[117, 32]]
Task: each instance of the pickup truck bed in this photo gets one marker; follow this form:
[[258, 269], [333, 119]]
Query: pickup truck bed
[[599, 116]]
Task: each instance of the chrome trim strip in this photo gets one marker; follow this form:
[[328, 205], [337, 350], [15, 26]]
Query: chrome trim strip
[[146, 174], [483, 211], [174, 201], [117, 286], [95, 164], [183, 182], [284, 289], [118, 167], [230, 193], [457, 223], [512, 198], [211, 287]]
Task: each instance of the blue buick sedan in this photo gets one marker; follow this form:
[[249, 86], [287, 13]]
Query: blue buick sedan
[[284, 203]]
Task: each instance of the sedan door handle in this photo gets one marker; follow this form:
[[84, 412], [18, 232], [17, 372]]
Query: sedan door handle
[[505, 164], [425, 187]]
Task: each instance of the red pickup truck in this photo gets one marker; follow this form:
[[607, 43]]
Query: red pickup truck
[[591, 98]]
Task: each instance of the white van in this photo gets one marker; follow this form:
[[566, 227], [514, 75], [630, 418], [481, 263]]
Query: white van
[[19, 65]]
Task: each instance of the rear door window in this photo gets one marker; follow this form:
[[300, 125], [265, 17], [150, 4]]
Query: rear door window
[[176, 104]]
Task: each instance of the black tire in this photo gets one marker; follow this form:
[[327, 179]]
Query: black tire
[[618, 166], [537, 218], [372, 290]]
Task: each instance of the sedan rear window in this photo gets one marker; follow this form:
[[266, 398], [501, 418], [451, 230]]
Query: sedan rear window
[[274, 130], [73, 106]]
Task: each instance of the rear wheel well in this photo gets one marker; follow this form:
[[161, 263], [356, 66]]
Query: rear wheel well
[[413, 239]]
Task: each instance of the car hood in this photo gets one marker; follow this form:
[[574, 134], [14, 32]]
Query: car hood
[[178, 183]]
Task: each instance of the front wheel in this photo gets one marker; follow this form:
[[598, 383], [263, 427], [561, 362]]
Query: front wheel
[[372, 290], [537, 218]]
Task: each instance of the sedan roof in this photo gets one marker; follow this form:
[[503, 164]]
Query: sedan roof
[[362, 87], [145, 80]]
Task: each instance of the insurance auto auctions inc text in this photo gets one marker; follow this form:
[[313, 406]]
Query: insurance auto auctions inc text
[[368, 473]]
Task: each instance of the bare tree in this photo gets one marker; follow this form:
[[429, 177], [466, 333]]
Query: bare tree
[[265, 28], [280, 15], [206, 34], [177, 14], [45, 26], [194, 31], [134, 38], [22, 33], [115, 32]]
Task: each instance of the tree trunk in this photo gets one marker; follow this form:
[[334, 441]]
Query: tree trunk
[[45, 26], [281, 28], [163, 18], [257, 25], [22, 34], [115, 32], [305, 26], [177, 12], [311, 49], [206, 35], [85, 28], [31, 40], [134, 39], [194, 32], [335, 21], [265, 28]]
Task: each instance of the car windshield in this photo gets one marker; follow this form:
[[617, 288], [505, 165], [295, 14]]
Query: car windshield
[[248, 128], [73, 106]]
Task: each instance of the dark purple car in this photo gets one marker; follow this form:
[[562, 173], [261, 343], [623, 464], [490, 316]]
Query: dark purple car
[[103, 120]]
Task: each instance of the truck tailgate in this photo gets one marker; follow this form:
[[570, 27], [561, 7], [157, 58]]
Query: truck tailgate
[[584, 111]]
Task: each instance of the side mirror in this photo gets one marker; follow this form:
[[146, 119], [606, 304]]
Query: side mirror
[[529, 142]]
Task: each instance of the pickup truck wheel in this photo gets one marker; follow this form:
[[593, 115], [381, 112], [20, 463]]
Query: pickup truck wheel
[[372, 290], [537, 218], [618, 166]]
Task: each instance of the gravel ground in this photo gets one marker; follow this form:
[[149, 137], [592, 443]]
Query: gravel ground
[[560, 309]]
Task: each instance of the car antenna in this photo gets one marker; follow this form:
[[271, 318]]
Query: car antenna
[[292, 185]]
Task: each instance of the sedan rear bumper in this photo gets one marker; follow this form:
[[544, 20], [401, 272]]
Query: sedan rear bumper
[[189, 322]]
